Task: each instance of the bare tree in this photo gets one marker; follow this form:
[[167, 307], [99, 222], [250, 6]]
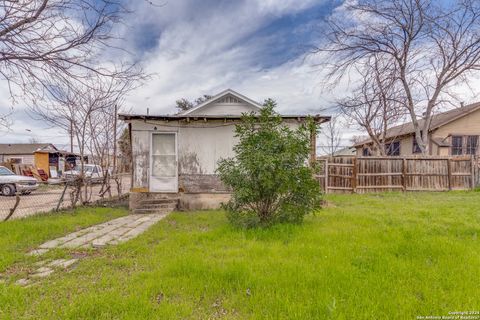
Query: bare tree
[[332, 134], [185, 104], [434, 45], [376, 103], [87, 111], [46, 42], [5, 121]]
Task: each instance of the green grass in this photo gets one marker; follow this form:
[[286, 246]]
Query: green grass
[[386, 256], [17, 237]]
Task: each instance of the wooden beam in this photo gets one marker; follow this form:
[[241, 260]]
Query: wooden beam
[[387, 174]]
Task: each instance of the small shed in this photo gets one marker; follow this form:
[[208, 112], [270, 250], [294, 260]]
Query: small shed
[[176, 155]]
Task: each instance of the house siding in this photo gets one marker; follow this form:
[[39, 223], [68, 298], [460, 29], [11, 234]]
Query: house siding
[[26, 158], [200, 146]]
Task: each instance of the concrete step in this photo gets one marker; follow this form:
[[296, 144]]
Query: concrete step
[[151, 210], [159, 201], [158, 206]]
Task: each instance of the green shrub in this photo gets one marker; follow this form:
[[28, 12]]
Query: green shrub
[[269, 175]]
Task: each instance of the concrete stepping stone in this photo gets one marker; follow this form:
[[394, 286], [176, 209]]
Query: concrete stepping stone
[[62, 263], [42, 272], [37, 252], [22, 282], [111, 232]]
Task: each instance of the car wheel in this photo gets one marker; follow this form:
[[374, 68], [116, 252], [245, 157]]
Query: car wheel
[[8, 190]]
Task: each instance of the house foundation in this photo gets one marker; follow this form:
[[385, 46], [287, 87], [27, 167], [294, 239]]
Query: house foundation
[[185, 201]]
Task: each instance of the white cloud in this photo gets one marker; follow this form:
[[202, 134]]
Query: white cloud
[[205, 47]]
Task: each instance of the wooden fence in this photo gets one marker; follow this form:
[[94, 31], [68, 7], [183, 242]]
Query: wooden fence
[[377, 174]]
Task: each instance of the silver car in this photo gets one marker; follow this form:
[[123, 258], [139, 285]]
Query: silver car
[[10, 183], [92, 172]]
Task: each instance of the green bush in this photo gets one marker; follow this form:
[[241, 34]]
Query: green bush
[[269, 175]]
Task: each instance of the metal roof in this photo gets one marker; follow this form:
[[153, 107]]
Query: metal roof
[[25, 148]]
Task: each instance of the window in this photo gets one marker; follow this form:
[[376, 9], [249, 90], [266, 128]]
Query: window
[[15, 160], [393, 148], [457, 145], [472, 143], [464, 145], [366, 152], [416, 147]]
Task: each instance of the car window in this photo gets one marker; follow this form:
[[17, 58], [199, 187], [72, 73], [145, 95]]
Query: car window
[[86, 168], [5, 172]]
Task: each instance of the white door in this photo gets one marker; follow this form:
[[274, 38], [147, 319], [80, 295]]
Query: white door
[[163, 160]]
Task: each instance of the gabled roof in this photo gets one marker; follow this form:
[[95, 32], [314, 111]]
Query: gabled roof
[[438, 121], [219, 96], [25, 148]]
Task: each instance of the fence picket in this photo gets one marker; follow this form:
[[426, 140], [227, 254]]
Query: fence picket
[[409, 173]]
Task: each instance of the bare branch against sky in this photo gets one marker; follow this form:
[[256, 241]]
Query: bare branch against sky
[[44, 43], [433, 46]]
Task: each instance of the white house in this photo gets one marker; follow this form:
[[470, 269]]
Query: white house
[[175, 156]]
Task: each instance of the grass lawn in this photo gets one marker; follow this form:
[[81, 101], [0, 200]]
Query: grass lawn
[[386, 256]]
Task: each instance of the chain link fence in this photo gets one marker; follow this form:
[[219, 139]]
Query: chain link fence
[[67, 194]]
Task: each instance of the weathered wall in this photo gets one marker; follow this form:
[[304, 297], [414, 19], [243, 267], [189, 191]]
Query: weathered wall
[[200, 146], [140, 159]]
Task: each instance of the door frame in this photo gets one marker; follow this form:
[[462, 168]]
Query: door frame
[[175, 188]]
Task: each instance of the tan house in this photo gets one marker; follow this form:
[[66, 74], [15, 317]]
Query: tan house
[[455, 132]]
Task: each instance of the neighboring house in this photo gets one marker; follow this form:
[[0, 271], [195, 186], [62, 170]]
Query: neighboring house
[[344, 152], [177, 155], [43, 156], [349, 151], [455, 132], [23, 153]]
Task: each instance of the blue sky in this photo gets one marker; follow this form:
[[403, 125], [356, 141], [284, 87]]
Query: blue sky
[[256, 47]]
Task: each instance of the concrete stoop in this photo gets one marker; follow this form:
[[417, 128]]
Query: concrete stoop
[[158, 205]]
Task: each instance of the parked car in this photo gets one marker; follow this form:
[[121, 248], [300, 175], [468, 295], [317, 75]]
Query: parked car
[[11, 183], [93, 172]]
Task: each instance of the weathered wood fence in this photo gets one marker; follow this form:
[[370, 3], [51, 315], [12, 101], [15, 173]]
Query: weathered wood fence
[[377, 174]]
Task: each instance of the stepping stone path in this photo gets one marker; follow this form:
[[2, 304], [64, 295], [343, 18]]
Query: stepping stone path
[[111, 232], [46, 268]]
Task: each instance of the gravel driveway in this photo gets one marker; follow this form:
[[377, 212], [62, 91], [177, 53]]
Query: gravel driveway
[[47, 197]]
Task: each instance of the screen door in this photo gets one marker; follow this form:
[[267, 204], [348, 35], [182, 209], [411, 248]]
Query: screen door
[[163, 174]]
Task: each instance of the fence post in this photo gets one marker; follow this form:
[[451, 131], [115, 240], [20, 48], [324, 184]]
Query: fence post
[[61, 197], [404, 174], [354, 175], [449, 170], [472, 171], [12, 210], [326, 175]]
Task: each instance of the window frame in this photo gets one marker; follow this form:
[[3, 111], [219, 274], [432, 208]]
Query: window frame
[[366, 152], [468, 147], [396, 151], [454, 147], [465, 148]]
